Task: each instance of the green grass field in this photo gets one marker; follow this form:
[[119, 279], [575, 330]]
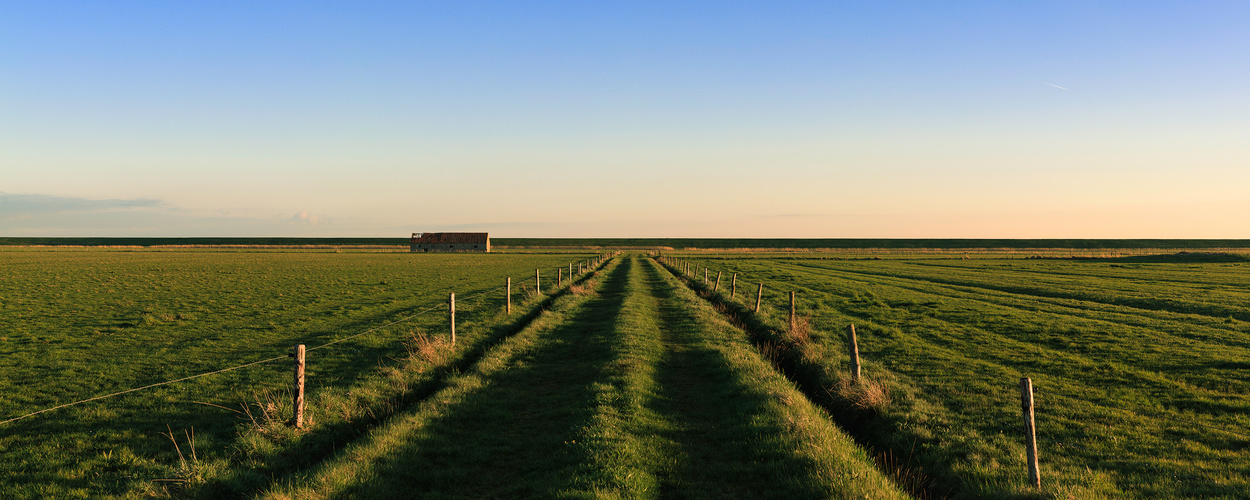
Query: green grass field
[[631, 380], [78, 323], [1139, 365], [636, 389]]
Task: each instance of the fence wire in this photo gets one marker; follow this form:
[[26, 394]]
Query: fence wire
[[254, 363], [677, 265]]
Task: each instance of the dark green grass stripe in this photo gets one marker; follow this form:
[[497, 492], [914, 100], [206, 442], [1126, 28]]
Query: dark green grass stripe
[[1068, 393], [1147, 300], [709, 419], [1027, 348], [1177, 329], [515, 434]]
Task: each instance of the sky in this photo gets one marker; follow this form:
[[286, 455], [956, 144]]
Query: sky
[[831, 119]]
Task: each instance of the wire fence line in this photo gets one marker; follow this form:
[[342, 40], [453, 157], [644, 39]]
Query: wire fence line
[[254, 363], [679, 265], [158, 384]]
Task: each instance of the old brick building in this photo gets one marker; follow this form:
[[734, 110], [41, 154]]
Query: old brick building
[[450, 242]]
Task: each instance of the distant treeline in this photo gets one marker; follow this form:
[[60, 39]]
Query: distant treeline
[[676, 243]]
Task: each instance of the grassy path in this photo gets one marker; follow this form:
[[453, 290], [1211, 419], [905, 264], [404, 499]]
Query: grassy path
[[635, 390], [721, 423]]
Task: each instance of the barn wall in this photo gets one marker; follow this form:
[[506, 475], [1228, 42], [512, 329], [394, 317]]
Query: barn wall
[[450, 247]]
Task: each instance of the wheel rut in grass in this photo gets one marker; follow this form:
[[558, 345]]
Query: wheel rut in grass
[[634, 392], [708, 422], [512, 435]]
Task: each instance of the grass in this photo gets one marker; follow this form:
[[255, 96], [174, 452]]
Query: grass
[[1138, 367], [631, 389], [630, 382], [84, 322]]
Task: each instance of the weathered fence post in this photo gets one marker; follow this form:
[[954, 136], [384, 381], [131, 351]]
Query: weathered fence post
[[733, 286], [791, 309], [508, 294], [759, 295], [538, 284], [559, 277], [1030, 431], [570, 270], [451, 316], [298, 389], [704, 276], [717, 285], [853, 344]]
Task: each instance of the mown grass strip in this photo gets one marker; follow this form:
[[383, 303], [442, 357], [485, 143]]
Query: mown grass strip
[[632, 392], [505, 427], [268, 447], [721, 422]]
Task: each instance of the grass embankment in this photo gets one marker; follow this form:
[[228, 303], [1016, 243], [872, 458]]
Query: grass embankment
[[1135, 367], [78, 323], [634, 390]]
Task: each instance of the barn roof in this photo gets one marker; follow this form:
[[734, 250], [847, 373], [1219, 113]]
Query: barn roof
[[445, 238]]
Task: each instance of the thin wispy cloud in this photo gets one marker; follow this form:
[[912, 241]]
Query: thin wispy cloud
[[49, 215], [1055, 86], [28, 205], [304, 217]]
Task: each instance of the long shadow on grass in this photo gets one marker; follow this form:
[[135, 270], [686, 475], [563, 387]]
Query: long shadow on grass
[[323, 441], [514, 436], [920, 476], [103, 428], [713, 421]]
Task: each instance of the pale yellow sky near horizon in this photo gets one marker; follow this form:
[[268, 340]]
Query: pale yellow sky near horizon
[[1070, 121]]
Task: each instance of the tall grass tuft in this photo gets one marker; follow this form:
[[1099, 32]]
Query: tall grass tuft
[[423, 348], [863, 395], [800, 331]]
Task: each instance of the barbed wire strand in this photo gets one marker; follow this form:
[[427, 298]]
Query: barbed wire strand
[[223, 370], [158, 384], [1155, 414]]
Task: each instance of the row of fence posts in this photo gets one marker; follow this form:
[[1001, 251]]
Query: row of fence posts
[[298, 352], [1026, 384]]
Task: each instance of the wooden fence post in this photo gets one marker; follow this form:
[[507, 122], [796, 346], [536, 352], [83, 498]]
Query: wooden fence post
[[759, 295], [1030, 431], [791, 309], [508, 294], [559, 277], [704, 276], [733, 286], [538, 284], [570, 270], [451, 316], [853, 344], [717, 285], [298, 390]]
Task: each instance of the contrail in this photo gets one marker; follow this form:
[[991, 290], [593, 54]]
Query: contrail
[[1055, 86]]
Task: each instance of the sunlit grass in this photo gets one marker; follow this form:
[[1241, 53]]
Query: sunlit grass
[[78, 323], [1136, 366]]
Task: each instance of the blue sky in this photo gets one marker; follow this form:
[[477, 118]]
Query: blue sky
[[626, 119]]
